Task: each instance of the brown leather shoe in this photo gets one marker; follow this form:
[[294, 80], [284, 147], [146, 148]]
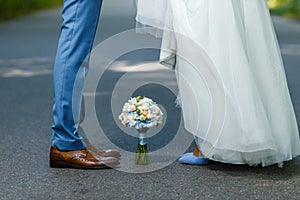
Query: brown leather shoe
[[81, 159], [100, 152]]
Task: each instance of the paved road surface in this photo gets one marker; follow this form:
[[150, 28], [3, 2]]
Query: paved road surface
[[27, 49]]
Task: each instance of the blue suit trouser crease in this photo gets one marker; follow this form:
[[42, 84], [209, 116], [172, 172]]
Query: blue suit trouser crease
[[80, 20]]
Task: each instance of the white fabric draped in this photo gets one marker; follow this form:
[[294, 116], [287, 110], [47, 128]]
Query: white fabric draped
[[235, 38]]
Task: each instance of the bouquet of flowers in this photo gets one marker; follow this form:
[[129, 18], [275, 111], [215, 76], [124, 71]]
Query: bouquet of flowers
[[141, 113]]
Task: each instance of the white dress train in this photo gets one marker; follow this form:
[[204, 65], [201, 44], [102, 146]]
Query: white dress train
[[237, 39]]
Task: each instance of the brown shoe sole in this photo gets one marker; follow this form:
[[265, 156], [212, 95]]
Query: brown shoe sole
[[69, 165]]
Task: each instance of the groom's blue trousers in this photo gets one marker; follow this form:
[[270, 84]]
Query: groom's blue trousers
[[80, 19]]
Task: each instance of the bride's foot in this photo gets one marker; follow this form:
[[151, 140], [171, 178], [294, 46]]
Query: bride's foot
[[195, 158], [197, 152]]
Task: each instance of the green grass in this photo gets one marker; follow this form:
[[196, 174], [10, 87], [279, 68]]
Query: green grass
[[287, 8], [14, 8], [284, 12]]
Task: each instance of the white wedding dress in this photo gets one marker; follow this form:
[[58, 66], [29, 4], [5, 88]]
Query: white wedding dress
[[232, 84]]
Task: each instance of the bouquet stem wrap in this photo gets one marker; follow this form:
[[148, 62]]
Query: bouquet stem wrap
[[141, 155]]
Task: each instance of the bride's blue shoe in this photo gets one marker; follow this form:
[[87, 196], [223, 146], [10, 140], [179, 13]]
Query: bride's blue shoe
[[190, 159]]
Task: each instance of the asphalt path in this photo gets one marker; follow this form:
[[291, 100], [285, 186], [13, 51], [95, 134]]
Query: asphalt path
[[27, 50]]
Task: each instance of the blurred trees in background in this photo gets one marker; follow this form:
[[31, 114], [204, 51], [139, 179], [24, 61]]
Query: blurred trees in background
[[14, 8], [289, 8]]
